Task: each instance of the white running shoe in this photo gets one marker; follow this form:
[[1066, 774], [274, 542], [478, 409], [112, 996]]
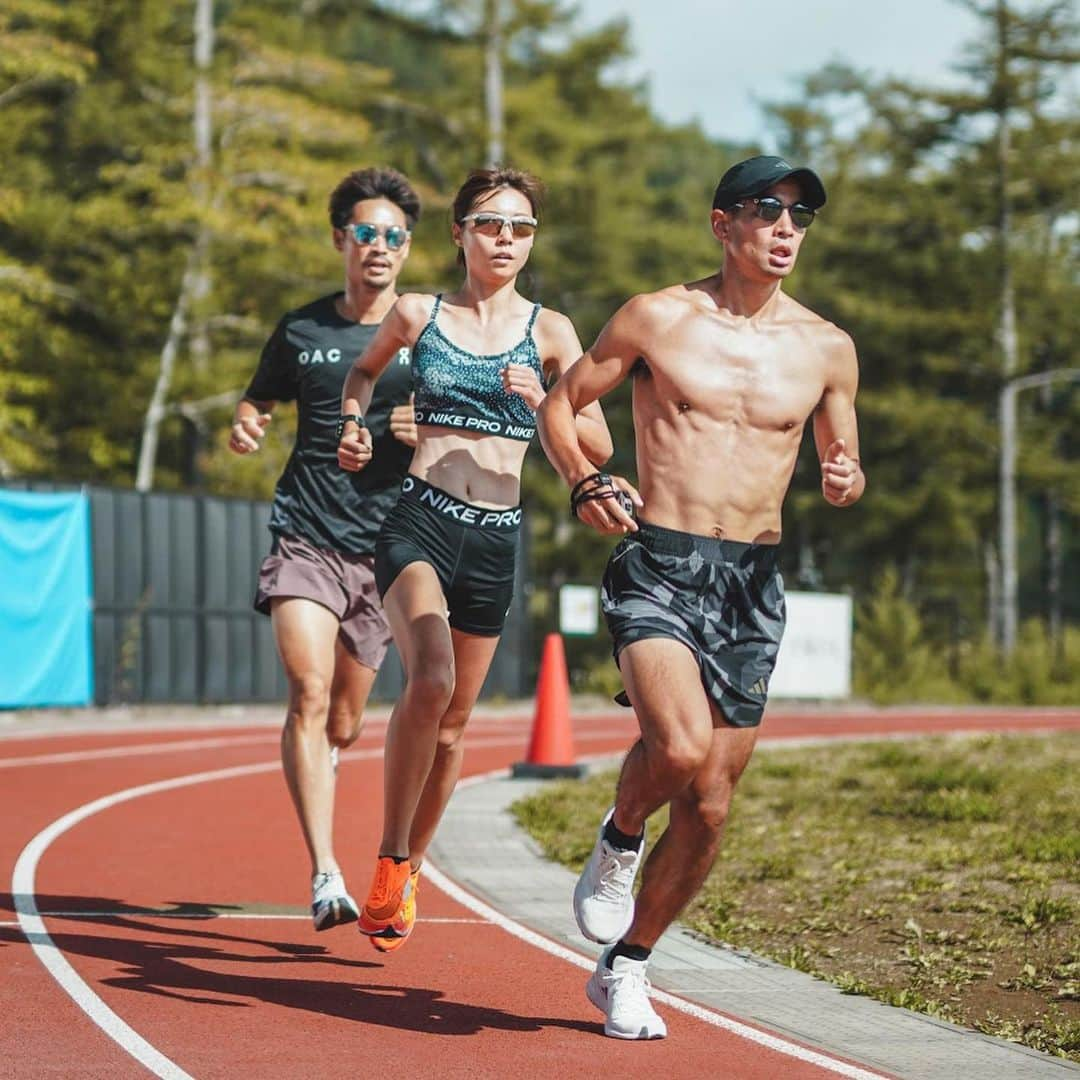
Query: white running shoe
[[603, 896], [621, 993], [331, 904]]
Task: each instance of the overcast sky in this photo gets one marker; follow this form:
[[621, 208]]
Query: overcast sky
[[711, 60]]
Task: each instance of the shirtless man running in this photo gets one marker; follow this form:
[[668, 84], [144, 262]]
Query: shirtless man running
[[727, 371]]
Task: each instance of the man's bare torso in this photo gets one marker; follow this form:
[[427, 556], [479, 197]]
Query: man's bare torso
[[720, 403]]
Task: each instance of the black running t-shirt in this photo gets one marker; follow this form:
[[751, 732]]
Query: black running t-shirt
[[306, 360]]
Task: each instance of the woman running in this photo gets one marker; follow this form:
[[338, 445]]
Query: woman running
[[445, 557]]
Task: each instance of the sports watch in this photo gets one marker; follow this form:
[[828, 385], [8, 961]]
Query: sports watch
[[356, 418]]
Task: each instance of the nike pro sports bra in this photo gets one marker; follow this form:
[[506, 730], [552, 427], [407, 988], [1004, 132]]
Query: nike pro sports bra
[[455, 388]]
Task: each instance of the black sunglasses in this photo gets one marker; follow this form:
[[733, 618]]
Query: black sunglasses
[[769, 208]]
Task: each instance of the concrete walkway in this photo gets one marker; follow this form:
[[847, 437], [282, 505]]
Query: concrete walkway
[[481, 847]]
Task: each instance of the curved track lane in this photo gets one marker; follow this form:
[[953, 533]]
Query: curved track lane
[[157, 922]]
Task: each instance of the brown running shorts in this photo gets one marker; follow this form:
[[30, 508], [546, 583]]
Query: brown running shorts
[[344, 584]]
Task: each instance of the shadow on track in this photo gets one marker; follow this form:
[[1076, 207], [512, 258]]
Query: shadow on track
[[206, 967], [120, 914]]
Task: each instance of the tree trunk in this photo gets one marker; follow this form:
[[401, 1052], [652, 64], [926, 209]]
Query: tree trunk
[[493, 81], [195, 284], [993, 585], [203, 135], [155, 412], [1054, 566]]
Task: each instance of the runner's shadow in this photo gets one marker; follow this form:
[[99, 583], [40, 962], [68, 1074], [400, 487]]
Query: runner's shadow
[[98, 909], [172, 965]]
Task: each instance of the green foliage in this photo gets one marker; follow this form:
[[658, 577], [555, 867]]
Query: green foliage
[[895, 659], [102, 207], [930, 874], [1040, 672], [908, 258]]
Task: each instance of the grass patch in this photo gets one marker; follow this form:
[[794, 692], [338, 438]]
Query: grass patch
[[941, 874]]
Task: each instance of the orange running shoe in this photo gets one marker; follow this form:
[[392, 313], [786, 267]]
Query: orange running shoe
[[397, 933], [384, 898]]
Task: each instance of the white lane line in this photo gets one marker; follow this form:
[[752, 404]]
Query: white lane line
[[210, 917], [1003, 720], [374, 722], [226, 741], [25, 732], [66, 757], [31, 919], [33, 925], [699, 1012]]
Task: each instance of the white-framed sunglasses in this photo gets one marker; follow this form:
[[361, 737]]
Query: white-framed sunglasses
[[489, 224]]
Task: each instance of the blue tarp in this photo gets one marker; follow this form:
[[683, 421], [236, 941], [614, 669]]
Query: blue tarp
[[46, 649]]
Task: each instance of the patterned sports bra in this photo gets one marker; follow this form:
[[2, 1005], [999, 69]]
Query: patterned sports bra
[[455, 388]]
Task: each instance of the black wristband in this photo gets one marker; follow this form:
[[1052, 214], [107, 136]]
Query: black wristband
[[593, 480], [598, 486], [356, 418]]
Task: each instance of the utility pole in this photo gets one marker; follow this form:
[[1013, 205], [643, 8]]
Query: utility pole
[[1007, 618], [1007, 494], [493, 80], [1004, 95], [1007, 340]]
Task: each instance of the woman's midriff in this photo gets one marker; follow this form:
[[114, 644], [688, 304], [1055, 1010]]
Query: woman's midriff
[[484, 470]]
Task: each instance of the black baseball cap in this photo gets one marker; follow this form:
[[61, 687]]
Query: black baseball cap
[[757, 174]]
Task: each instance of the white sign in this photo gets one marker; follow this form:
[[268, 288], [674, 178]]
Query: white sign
[[579, 609], [815, 654]]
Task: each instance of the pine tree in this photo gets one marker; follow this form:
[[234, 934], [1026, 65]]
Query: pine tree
[[908, 258]]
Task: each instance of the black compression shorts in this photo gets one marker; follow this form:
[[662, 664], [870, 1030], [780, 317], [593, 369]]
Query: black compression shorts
[[472, 549]]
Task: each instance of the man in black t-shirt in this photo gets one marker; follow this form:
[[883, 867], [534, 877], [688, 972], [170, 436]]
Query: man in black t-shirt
[[317, 584]]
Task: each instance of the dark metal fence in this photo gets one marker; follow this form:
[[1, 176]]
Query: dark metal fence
[[174, 577]]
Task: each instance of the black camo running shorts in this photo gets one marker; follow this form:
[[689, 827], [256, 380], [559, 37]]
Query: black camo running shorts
[[722, 599]]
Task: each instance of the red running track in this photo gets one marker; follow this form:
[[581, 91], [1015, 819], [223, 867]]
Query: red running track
[[157, 923]]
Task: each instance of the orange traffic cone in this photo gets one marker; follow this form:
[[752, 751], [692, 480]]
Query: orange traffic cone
[[551, 748]]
